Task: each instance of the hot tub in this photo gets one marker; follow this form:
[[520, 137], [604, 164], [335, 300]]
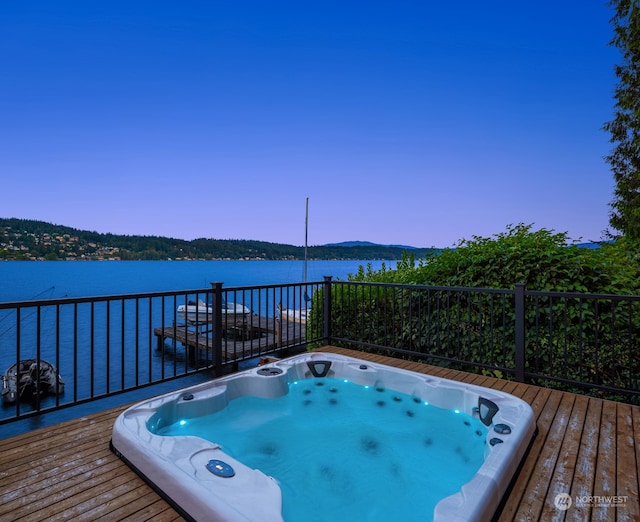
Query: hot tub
[[207, 479]]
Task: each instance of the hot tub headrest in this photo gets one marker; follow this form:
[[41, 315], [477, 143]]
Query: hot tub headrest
[[319, 368], [486, 410]]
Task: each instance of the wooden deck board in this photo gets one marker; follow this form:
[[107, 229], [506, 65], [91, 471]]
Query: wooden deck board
[[585, 471], [627, 467], [605, 483], [584, 447], [566, 458], [546, 447]]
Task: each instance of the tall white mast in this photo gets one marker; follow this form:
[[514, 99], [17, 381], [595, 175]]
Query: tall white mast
[[306, 233]]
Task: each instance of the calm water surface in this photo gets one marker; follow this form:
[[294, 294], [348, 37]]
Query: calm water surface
[[25, 280], [29, 280]]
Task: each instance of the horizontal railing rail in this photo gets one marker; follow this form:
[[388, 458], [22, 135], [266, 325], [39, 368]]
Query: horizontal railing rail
[[576, 341], [109, 345], [584, 342]]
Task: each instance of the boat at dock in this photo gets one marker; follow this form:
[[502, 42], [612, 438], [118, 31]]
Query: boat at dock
[[201, 312], [293, 314], [30, 380]]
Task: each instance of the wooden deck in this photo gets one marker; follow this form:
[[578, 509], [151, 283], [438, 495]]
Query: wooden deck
[[585, 447]]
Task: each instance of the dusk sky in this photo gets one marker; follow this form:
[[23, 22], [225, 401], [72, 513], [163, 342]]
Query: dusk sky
[[404, 122]]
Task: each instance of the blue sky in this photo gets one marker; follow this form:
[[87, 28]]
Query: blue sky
[[404, 122]]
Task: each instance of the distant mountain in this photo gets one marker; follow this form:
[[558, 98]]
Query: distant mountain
[[592, 244], [369, 244]]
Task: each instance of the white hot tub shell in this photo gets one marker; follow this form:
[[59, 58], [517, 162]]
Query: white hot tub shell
[[179, 467]]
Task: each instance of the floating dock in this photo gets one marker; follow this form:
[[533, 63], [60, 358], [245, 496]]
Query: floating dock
[[242, 335]]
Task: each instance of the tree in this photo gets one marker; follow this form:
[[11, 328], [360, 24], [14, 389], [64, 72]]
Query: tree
[[625, 126]]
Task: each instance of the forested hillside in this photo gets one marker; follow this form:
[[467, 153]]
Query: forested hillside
[[37, 240]]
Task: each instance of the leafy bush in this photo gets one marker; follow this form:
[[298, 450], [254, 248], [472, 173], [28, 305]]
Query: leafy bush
[[569, 337], [542, 259]]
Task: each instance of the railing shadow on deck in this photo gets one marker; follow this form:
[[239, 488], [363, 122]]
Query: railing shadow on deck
[[107, 346]]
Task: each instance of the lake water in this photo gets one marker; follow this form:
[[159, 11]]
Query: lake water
[[29, 280], [26, 280]]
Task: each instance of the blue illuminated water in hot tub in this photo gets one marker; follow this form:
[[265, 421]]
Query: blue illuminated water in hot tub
[[342, 451]]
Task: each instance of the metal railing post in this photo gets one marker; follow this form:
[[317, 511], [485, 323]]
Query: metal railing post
[[326, 311], [217, 327], [519, 332], [560, 329]]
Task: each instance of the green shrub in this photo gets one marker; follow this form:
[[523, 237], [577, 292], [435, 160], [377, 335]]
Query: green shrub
[[568, 338], [542, 259]]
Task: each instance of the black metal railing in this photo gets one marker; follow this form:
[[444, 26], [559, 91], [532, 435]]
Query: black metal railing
[[105, 346], [574, 341]]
